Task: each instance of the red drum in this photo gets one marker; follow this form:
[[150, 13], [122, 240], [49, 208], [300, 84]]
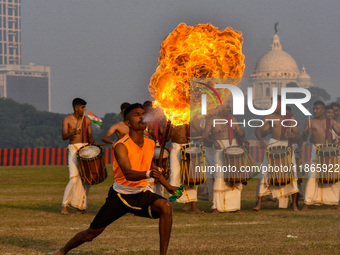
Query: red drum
[[91, 164]]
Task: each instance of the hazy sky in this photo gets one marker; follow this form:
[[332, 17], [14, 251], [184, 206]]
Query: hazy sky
[[105, 51]]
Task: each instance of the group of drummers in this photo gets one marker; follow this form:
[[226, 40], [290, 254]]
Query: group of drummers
[[210, 160]]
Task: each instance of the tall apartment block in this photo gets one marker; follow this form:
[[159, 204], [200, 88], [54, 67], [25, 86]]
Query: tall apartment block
[[10, 32], [23, 83]]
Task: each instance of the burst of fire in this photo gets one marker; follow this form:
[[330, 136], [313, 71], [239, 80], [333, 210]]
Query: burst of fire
[[200, 51]]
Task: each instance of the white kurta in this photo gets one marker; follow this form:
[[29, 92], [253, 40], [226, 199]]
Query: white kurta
[[189, 193], [76, 192], [227, 198], [320, 193], [280, 193]]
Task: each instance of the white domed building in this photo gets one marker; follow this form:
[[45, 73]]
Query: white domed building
[[276, 68]]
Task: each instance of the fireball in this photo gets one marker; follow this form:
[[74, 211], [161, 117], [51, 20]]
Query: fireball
[[200, 51]]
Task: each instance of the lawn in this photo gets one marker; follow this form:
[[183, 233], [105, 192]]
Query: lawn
[[31, 223]]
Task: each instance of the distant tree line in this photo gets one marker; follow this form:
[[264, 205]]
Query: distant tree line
[[23, 126]]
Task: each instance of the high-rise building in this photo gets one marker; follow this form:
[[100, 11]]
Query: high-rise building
[[23, 83], [10, 32]]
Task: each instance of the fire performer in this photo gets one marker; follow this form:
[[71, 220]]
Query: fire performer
[[226, 196], [280, 136], [120, 128], [319, 129], [76, 129], [130, 192], [179, 136]]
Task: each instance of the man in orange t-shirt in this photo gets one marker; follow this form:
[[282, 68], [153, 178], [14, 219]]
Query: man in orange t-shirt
[[132, 167]]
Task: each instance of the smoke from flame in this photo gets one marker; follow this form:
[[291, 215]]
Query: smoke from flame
[[200, 51]]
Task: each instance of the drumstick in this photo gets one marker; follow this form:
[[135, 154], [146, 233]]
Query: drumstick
[[195, 138], [334, 133], [104, 144], [167, 130], [81, 123], [309, 124]]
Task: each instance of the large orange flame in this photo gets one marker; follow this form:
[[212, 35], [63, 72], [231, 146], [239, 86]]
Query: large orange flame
[[200, 51]]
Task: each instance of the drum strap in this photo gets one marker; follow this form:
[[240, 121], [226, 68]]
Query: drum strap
[[230, 130], [85, 136]]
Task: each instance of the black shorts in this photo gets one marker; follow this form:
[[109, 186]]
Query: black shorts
[[117, 205]]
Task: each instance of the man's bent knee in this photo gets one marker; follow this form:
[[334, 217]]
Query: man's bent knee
[[92, 234], [166, 208]]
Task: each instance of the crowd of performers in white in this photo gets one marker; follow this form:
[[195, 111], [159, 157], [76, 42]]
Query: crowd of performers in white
[[196, 153]]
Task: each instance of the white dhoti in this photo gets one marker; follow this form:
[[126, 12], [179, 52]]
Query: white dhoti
[[189, 193], [280, 193], [205, 190], [227, 198], [76, 192], [320, 193]]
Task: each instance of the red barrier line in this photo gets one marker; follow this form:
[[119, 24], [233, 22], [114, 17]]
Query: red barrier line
[[47, 157], [59, 157], [29, 156], [5, 157], [65, 157], [17, 157], [35, 156], [53, 157], [11, 152], [23, 156]]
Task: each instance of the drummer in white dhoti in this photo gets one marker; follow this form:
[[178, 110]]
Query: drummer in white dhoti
[[226, 196], [319, 129], [76, 129], [179, 136], [280, 136], [197, 126]]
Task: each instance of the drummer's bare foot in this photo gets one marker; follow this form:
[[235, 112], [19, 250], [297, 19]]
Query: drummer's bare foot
[[257, 208], [304, 208], [295, 208], [194, 209], [214, 211], [335, 207], [187, 207], [80, 211], [64, 210]]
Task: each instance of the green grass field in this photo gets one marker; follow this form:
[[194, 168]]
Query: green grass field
[[31, 223]]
